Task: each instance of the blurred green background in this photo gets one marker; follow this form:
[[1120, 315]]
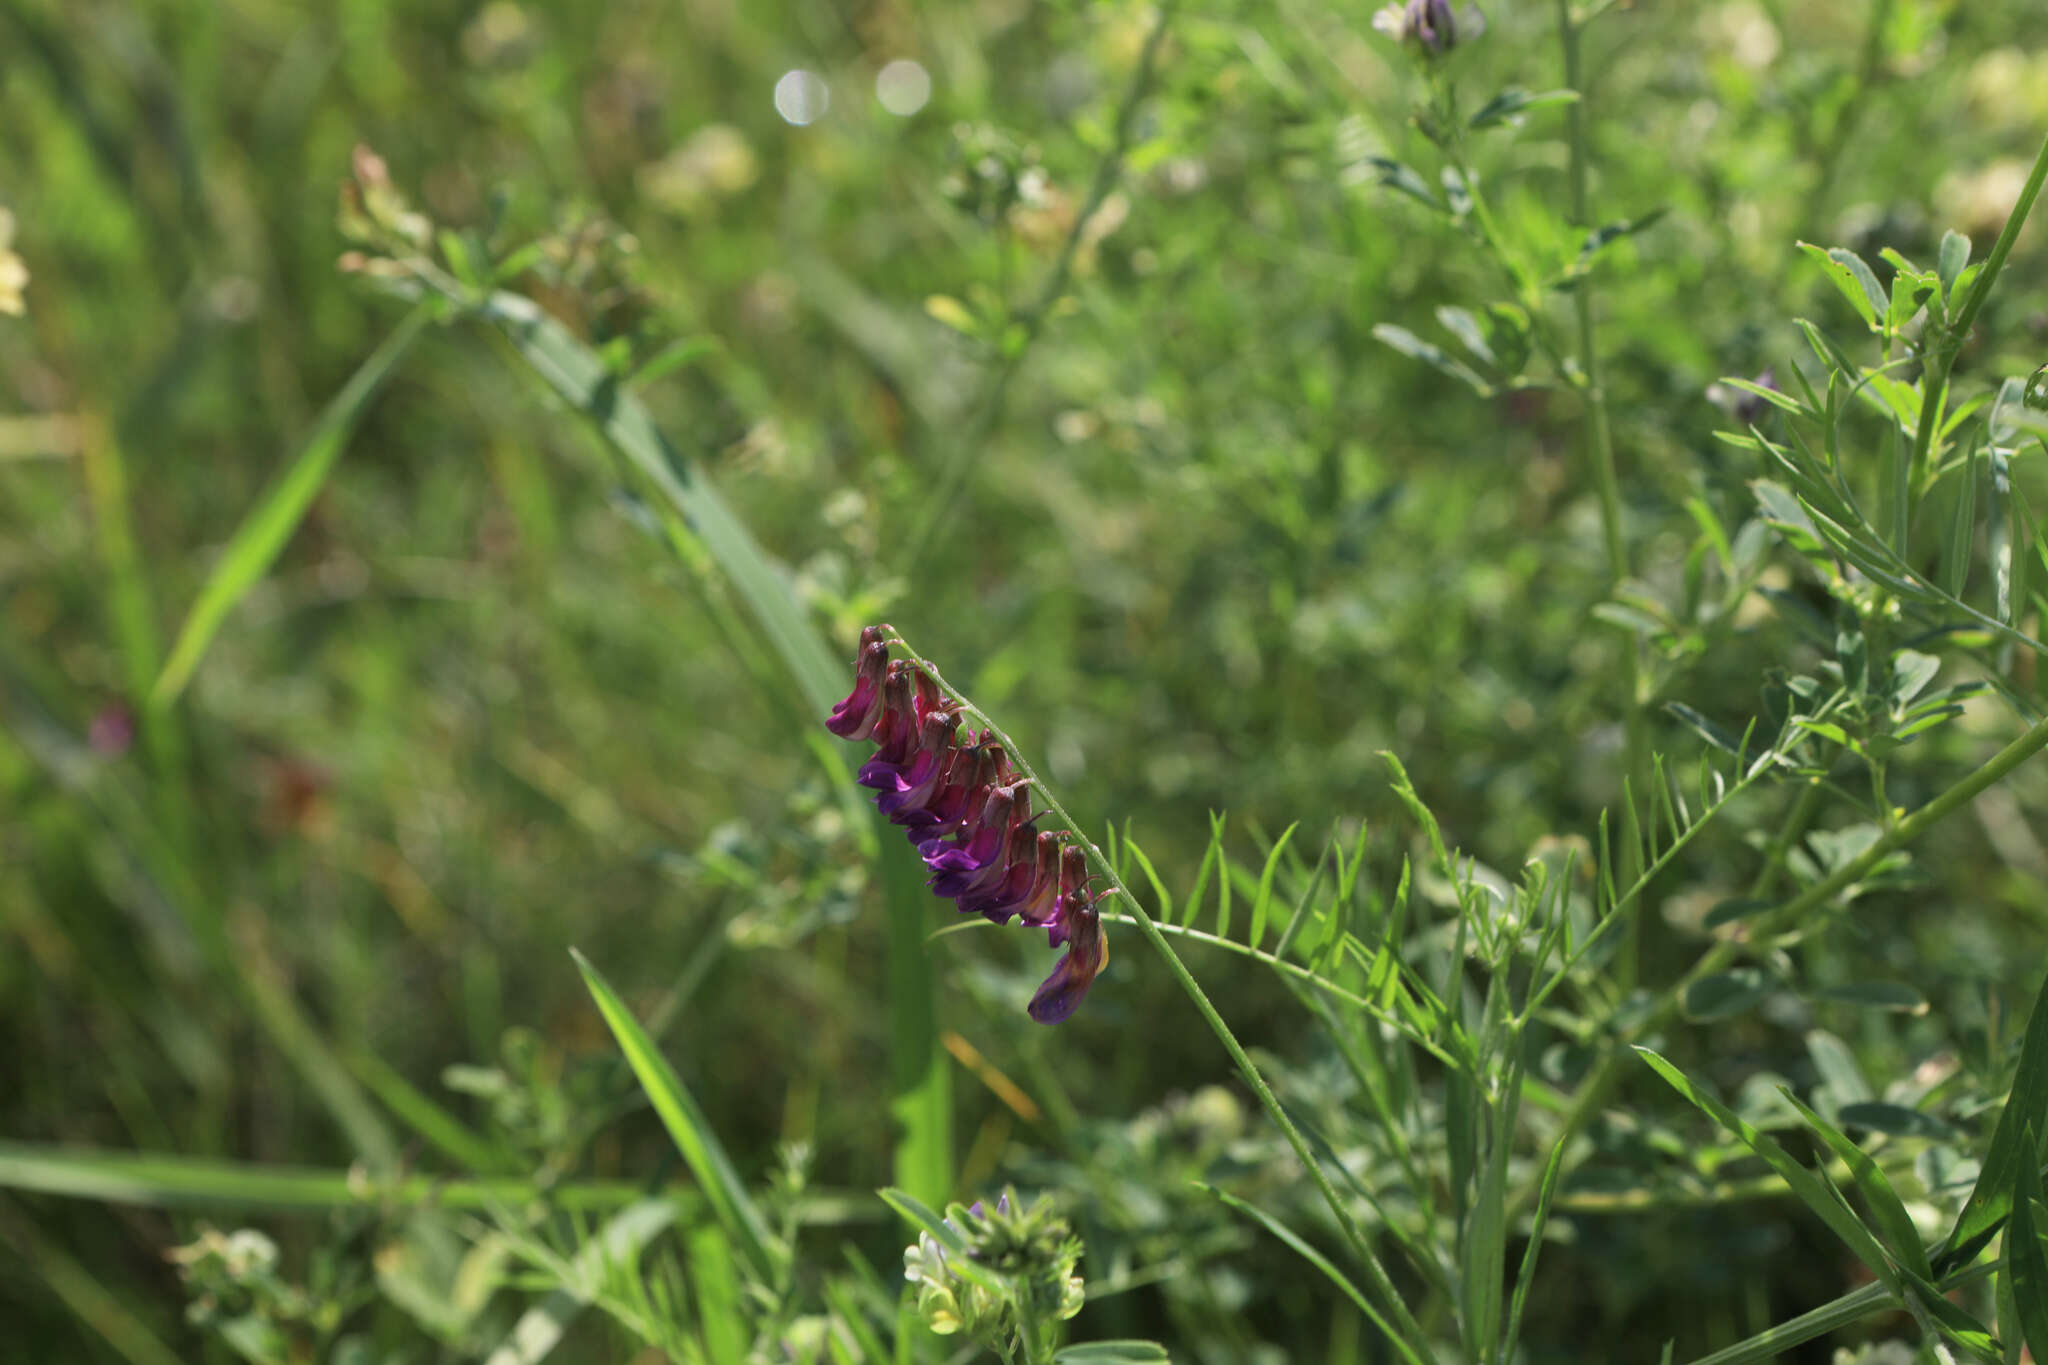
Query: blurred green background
[[1213, 548]]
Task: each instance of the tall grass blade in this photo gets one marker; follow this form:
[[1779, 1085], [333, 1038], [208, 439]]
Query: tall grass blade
[[582, 379], [256, 543], [168, 1181], [1322, 1263], [689, 1128], [541, 1328], [2026, 1255], [1813, 1190], [921, 1100], [2012, 1145]]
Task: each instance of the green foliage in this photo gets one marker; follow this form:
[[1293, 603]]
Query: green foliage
[[1626, 419]]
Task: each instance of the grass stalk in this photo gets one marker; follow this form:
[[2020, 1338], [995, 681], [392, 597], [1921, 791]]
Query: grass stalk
[[1599, 440]]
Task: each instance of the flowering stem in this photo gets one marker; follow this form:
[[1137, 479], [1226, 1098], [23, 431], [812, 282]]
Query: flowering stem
[[1407, 1334]]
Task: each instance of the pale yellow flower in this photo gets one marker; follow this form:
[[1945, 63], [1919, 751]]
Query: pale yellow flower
[[13, 272]]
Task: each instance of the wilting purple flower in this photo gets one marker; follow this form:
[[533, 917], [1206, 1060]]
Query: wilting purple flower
[[968, 813], [855, 717], [1076, 925]]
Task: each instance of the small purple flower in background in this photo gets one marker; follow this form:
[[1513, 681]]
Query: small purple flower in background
[[112, 731], [968, 813], [1429, 24], [1744, 406]]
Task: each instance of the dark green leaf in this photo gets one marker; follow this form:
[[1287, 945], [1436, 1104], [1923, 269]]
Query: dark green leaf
[[1895, 1120], [1396, 176], [1727, 993], [1508, 106], [1881, 995]]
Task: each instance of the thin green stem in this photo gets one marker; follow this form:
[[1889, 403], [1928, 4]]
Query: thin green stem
[[967, 446], [2002, 248], [1411, 1340], [1599, 435]]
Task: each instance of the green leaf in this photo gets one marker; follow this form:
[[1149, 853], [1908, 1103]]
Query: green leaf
[[1879, 995], [2013, 1143], [670, 358], [1262, 905], [1955, 254], [263, 532], [573, 371], [1894, 1120], [1854, 277], [1510, 104], [1728, 911], [1407, 343], [690, 1130], [1396, 176], [1772, 396], [1893, 1222], [1600, 238], [1159, 890], [1814, 1191], [1211, 856], [1112, 1353], [1727, 993], [1706, 729], [1460, 323]]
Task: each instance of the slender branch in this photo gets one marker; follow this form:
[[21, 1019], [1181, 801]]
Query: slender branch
[[967, 444]]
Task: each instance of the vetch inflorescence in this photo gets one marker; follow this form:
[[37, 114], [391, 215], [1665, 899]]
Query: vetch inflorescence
[[968, 812]]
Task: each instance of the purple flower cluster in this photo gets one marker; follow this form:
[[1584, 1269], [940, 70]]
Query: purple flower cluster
[[968, 812]]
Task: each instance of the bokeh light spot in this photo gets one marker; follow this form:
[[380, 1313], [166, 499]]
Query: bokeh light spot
[[903, 86], [802, 97]]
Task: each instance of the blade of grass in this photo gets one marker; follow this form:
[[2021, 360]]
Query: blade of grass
[[689, 1128], [921, 1100], [429, 1120], [78, 1290], [163, 1180], [541, 1328], [2026, 1256], [1313, 1257], [2026, 1110], [256, 543], [1813, 1190]]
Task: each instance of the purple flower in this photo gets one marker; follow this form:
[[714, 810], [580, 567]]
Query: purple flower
[[968, 813], [1077, 925], [855, 717], [1429, 23]]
